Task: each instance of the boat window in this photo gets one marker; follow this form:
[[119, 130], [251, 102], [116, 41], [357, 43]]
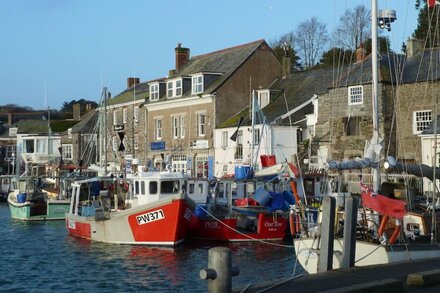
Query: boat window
[[200, 188], [309, 186], [221, 190], [191, 188], [143, 187], [136, 187], [153, 187], [169, 186]]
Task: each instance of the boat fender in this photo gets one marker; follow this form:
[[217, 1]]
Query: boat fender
[[292, 218], [383, 225], [294, 190], [396, 232], [124, 186]]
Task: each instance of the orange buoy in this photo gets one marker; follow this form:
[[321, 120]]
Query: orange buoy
[[294, 191], [396, 232], [292, 223], [383, 224]]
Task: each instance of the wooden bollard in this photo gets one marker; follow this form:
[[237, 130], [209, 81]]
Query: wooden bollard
[[220, 271]]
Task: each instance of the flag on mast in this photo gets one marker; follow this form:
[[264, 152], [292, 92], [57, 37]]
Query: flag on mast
[[432, 3]]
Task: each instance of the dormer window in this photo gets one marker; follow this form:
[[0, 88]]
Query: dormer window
[[154, 92], [263, 98], [197, 84], [174, 88]]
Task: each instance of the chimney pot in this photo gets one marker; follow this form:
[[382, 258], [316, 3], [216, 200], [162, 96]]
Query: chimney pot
[[182, 56], [131, 81]]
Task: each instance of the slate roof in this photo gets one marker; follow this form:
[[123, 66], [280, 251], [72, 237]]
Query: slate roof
[[39, 127], [358, 73], [295, 89], [225, 61], [422, 67], [141, 92], [87, 123]]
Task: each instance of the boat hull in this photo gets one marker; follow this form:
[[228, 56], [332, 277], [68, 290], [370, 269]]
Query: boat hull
[[269, 227], [366, 253], [164, 222], [53, 210]]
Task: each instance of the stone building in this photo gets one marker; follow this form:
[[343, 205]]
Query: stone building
[[181, 110]]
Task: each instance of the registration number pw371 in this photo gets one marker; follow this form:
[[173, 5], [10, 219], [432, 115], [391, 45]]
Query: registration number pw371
[[150, 217]]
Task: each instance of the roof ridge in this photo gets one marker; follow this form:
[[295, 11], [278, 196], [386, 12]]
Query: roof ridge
[[229, 48]]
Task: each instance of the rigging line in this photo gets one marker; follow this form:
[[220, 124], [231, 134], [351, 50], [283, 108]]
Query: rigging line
[[243, 234]]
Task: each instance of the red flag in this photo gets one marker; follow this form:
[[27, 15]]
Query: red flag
[[382, 204], [431, 3]]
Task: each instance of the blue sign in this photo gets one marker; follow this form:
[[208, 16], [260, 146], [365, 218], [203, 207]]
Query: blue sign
[[157, 146]]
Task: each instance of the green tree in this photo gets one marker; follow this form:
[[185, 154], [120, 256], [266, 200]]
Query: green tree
[[337, 56], [427, 24], [283, 46]]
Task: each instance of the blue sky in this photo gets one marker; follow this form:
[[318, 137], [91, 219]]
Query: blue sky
[[73, 48]]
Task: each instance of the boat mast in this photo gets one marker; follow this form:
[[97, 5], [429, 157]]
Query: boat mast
[[376, 169]]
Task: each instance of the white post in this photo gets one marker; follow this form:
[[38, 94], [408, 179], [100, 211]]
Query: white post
[[376, 170]]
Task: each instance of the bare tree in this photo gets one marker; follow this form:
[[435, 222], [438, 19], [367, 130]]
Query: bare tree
[[353, 29], [311, 38]]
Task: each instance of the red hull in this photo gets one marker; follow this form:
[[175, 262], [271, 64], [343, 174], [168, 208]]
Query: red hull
[[269, 227], [165, 224]]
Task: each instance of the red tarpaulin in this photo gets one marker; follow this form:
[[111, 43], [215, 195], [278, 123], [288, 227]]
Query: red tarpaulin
[[382, 204]]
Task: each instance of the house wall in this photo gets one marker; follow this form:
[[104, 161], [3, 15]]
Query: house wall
[[410, 98], [261, 69], [274, 140], [334, 110], [130, 128]]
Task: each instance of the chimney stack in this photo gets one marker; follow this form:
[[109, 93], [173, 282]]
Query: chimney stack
[[76, 112], [182, 56], [413, 47], [131, 81], [286, 67], [360, 53]]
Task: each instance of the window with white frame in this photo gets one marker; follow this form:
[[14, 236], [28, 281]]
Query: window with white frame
[[179, 163], [174, 88], [197, 84], [124, 115], [239, 148], [225, 139], [225, 170], [201, 124], [178, 88], [158, 128], [115, 117], [355, 95], [256, 136], [136, 114], [154, 92], [66, 151], [202, 166], [136, 141], [263, 98], [421, 120], [178, 126], [170, 89]]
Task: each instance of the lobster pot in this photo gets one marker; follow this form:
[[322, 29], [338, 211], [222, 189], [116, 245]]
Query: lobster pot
[[243, 172]]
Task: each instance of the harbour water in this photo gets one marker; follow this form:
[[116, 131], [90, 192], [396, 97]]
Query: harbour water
[[41, 257]]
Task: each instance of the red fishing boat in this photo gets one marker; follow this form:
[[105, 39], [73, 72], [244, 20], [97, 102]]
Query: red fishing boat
[[151, 208]]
